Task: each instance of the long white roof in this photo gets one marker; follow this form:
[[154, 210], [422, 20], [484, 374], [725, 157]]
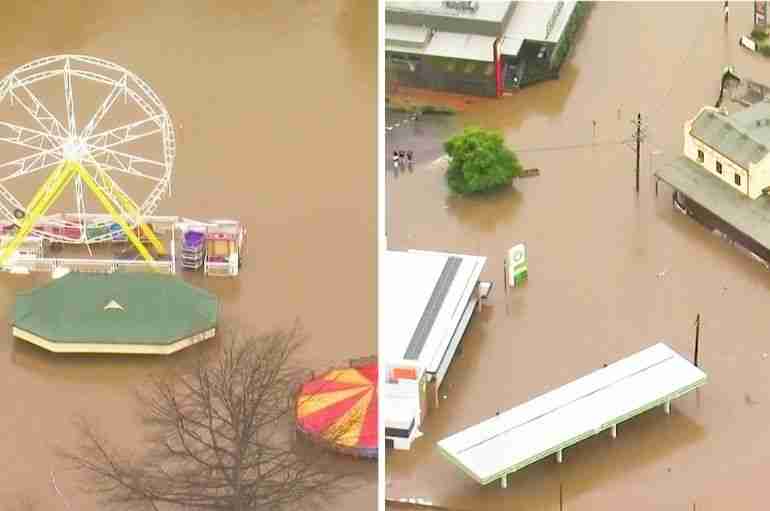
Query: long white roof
[[562, 417], [410, 280]]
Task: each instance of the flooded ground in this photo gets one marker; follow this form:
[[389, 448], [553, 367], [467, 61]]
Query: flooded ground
[[253, 88], [594, 294]]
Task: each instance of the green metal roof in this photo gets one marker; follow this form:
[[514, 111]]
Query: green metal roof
[[117, 308], [743, 137], [752, 217]]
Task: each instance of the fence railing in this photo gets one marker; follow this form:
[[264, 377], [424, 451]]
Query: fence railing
[[50, 264]]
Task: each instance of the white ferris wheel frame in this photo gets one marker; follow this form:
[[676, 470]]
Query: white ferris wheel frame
[[55, 142]]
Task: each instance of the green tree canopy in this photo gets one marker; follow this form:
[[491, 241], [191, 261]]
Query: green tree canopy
[[479, 161]]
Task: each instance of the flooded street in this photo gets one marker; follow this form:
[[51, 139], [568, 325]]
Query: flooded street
[[594, 294], [252, 88]]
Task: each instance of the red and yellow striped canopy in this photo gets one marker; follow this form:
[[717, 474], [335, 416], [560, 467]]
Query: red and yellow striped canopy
[[341, 407]]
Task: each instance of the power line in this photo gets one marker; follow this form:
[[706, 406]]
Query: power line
[[567, 147]]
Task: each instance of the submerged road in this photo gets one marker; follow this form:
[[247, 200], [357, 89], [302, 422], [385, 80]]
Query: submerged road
[[610, 273]]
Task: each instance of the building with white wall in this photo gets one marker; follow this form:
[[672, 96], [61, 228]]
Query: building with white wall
[[477, 48], [722, 178], [428, 301], [733, 148]]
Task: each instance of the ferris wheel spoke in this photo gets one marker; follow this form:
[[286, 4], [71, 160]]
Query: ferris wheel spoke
[[124, 134], [27, 137], [109, 157], [69, 99], [117, 88], [109, 187], [120, 156], [122, 169], [80, 198], [32, 163], [9, 197], [38, 111]]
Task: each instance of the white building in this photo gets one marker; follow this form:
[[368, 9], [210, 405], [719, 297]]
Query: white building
[[428, 300], [733, 147]]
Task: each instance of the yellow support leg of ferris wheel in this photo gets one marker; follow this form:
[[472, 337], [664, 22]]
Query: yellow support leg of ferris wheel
[[45, 196], [50, 191], [100, 195], [130, 206]]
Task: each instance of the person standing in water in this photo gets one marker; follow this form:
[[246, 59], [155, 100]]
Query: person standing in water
[[409, 155], [727, 11], [395, 159]]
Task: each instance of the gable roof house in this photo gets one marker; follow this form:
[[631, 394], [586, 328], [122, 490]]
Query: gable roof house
[[733, 148]]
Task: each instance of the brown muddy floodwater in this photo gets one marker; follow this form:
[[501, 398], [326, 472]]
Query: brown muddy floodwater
[[593, 296], [253, 88]]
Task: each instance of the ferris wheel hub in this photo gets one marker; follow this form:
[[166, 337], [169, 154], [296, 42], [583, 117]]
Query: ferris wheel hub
[[74, 149]]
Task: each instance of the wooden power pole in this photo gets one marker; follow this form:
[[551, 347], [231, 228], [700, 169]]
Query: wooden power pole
[[637, 138], [697, 339]]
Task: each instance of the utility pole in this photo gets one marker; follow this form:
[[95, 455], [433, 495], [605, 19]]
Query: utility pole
[[697, 339], [637, 137], [638, 142]]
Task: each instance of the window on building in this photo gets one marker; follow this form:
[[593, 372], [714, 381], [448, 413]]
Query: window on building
[[700, 156], [450, 66], [737, 179], [470, 67], [489, 70], [719, 167]]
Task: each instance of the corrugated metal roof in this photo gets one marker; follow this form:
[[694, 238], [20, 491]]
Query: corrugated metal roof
[[728, 137], [752, 217], [530, 21], [461, 46], [564, 416], [488, 11], [747, 120], [511, 45], [412, 278], [154, 309], [435, 302], [406, 35]]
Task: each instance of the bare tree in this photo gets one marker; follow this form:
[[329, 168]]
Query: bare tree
[[217, 437]]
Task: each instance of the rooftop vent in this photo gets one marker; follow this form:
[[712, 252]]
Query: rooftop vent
[[462, 6], [113, 305]]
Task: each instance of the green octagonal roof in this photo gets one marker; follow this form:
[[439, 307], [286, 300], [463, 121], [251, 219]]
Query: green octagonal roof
[[117, 308]]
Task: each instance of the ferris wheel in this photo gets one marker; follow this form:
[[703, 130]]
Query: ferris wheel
[[102, 121]]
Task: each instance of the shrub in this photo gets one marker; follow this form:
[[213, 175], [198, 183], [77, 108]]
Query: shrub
[[758, 34]]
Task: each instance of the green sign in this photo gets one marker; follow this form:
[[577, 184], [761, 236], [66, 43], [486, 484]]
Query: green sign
[[517, 265]]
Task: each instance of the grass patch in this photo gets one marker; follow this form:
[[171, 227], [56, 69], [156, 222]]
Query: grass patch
[[399, 105]]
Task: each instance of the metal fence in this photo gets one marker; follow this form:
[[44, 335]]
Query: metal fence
[[49, 264]]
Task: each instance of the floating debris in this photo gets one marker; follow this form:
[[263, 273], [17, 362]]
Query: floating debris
[[530, 173]]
